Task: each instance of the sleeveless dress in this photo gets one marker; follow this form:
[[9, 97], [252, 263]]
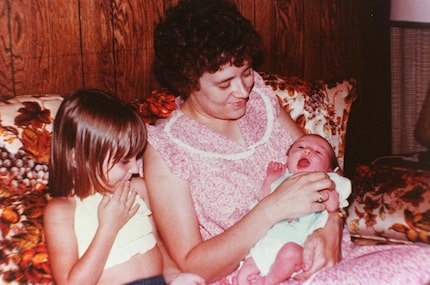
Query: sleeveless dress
[[225, 177], [225, 182], [135, 237]]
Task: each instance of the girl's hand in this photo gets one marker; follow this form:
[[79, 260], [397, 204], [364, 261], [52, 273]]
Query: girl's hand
[[116, 209], [187, 279]]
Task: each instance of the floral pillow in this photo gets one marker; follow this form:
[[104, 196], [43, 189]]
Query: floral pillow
[[25, 134], [390, 204], [318, 107]]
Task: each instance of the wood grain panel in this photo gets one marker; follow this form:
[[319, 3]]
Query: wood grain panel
[[45, 44], [133, 33], [97, 45], [247, 8], [168, 3], [369, 127], [312, 38], [6, 84], [287, 46], [335, 44], [158, 14], [264, 24]]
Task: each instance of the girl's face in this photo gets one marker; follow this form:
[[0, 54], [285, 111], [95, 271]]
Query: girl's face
[[309, 153], [223, 95], [121, 171]]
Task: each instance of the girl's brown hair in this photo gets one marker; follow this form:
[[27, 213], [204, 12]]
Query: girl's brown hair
[[90, 127]]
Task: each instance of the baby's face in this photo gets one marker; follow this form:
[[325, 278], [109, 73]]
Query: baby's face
[[309, 153]]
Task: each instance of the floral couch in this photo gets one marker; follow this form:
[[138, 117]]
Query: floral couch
[[25, 132], [390, 204]]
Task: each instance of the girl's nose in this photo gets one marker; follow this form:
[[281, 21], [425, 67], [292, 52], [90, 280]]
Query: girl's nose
[[134, 169]]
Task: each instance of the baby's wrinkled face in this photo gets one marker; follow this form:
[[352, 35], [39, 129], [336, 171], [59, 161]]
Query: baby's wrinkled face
[[309, 153]]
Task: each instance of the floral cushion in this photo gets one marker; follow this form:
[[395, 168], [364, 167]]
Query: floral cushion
[[390, 204], [318, 107], [25, 134]]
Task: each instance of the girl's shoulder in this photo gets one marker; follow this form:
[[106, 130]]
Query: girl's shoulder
[[60, 207]]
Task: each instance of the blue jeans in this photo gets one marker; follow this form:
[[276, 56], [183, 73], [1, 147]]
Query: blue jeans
[[156, 280]]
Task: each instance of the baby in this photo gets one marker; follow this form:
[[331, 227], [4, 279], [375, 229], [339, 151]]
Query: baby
[[278, 255]]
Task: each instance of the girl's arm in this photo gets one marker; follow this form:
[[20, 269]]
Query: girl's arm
[[217, 257], [67, 267]]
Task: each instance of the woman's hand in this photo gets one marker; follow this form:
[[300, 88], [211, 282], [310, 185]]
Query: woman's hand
[[299, 195], [322, 248], [115, 210]]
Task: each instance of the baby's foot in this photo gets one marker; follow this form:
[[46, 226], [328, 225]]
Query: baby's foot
[[256, 279]]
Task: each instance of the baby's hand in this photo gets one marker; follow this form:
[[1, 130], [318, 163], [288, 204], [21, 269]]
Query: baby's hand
[[188, 279], [116, 209], [275, 170]]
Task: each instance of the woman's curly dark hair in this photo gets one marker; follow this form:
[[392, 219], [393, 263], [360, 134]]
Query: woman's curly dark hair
[[198, 36]]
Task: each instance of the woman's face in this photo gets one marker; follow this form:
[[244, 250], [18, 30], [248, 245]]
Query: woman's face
[[223, 94]]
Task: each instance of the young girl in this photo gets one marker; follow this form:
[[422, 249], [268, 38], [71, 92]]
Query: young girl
[[98, 228]]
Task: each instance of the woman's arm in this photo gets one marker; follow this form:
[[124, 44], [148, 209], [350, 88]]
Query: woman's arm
[[172, 273], [322, 248], [217, 257]]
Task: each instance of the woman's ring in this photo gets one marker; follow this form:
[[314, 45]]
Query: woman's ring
[[320, 199]]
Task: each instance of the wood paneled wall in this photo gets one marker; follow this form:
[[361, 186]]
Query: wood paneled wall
[[51, 47]]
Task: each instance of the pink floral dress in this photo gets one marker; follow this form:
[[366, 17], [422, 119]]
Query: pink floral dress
[[226, 177]]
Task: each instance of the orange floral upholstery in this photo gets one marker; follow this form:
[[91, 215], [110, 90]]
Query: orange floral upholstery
[[390, 204], [318, 107], [25, 137]]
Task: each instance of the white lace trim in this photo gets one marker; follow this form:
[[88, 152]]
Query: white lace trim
[[236, 156]]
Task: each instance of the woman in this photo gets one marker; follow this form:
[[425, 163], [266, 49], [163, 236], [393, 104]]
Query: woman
[[207, 162], [209, 231]]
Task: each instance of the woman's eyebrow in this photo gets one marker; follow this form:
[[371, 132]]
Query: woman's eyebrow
[[223, 80]]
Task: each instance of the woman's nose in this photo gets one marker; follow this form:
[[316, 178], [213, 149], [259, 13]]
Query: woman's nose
[[240, 89]]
